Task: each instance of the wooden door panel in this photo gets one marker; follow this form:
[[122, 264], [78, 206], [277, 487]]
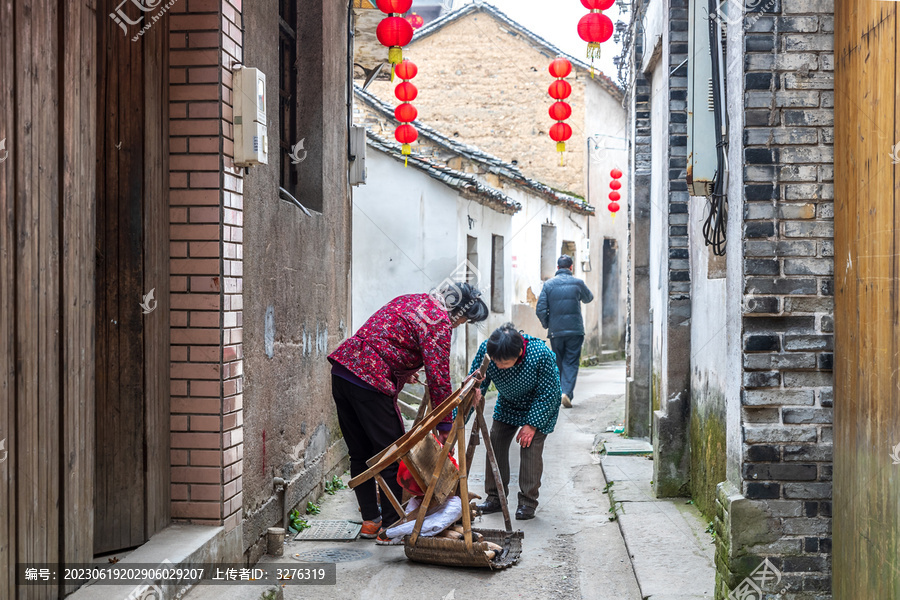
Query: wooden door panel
[[131, 441]]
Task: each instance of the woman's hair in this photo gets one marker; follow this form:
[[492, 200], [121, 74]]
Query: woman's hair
[[464, 300], [505, 343]]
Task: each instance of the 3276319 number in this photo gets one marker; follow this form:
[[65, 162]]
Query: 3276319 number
[[299, 574]]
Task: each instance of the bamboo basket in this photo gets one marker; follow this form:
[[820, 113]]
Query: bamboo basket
[[453, 553]]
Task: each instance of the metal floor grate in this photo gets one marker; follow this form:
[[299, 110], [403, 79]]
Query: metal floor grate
[[332, 555], [325, 530]]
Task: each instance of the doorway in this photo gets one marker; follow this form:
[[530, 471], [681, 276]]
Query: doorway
[[611, 332], [131, 468]]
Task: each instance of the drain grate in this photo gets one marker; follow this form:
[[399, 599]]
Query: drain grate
[[332, 555], [329, 531]]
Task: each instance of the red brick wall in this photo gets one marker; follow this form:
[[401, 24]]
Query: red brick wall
[[233, 254], [205, 261]]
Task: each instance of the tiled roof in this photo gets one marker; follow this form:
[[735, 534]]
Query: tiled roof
[[477, 6], [491, 163], [468, 185]]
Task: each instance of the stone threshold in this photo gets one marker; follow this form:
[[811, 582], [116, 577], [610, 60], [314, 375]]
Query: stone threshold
[[176, 546]]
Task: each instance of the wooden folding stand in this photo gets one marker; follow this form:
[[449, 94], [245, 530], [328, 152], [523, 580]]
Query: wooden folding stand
[[428, 464]]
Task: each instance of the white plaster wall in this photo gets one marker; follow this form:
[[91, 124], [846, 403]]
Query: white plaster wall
[[659, 126], [606, 127], [525, 251], [709, 340], [734, 252], [484, 224], [404, 235], [409, 234]]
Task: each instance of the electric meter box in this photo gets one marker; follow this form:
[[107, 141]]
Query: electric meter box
[[251, 137], [357, 155]]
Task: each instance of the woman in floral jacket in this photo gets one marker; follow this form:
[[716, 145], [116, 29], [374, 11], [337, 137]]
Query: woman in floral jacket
[[370, 368]]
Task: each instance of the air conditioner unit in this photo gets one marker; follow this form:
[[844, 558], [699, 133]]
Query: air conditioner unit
[[701, 122]]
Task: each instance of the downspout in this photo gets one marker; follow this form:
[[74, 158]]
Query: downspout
[[281, 488]]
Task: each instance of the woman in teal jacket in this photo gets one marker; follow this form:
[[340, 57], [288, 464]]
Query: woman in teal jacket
[[524, 371]]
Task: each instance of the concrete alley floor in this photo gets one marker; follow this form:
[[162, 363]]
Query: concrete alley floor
[[571, 549]]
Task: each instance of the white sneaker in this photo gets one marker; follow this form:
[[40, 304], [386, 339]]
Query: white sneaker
[[566, 402]]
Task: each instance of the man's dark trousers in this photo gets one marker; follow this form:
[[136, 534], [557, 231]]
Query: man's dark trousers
[[568, 357]]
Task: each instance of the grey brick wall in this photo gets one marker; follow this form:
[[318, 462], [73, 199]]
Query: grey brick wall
[[679, 273], [786, 397], [639, 333]]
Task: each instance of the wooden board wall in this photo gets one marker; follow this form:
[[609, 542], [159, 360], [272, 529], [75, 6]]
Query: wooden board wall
[[46, 285], [866, 508], [7, 305], [78, 233]]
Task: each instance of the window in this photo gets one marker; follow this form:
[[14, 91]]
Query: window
[[287, 67], [548, 251], [498, 280], [569, 249]]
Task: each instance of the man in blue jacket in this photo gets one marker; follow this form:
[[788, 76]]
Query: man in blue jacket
[[559, 309]]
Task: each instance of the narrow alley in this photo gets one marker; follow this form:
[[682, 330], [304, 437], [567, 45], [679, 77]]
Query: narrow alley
[[260, 259], [572, 549]]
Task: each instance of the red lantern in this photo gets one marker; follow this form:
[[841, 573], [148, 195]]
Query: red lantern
[[560, 111], [398, 7], [560, 68], [559, 133], [394, 32], [597, 4], [415, 20], [406, 92], [407, 69], [595, 28], [560, 89], [614, 195], [406, 134], [406, 113]]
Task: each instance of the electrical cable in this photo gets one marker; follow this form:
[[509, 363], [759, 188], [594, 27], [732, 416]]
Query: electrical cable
[[714, 228]]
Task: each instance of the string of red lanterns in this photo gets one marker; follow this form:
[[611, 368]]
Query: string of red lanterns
[[595, 27], [559, 90], [394, 31], [406, 113], [614, 195]]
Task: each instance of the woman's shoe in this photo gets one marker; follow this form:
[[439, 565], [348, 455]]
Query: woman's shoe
[[491, 505], [384, 540], [370, 529], [523, 513]]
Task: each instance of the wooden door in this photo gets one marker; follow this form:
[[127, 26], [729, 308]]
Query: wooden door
[[609, 303], [131, 442], [866, 508]]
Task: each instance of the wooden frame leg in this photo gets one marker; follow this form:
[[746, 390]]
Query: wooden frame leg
[[492, 461], [464, 482], [429, 493], [386, 491]]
